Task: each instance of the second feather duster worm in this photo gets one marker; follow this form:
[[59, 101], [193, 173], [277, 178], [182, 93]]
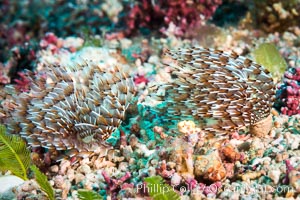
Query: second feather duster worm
[[222, 91]]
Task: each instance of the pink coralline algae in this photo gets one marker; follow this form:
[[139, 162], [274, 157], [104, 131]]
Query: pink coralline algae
[[48, 39], [138, 79], [114, 185], [211, 189], [183, 14], [163, 171], [288, 93], [51, 42], [289, 169], [23, 83]]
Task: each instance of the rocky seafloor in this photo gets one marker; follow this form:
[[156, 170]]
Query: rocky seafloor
[[235, 166]]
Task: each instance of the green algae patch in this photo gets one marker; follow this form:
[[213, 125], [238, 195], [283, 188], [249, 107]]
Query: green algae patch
[[42, 180], [159, 190], [14, 155], [88, 195], [268, 56]]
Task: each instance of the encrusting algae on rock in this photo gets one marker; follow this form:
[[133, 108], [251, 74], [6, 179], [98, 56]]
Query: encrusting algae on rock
[[74, 108], [223, 92]]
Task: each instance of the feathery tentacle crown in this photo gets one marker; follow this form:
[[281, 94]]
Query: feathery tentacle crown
[[223, 92], [75, 107]]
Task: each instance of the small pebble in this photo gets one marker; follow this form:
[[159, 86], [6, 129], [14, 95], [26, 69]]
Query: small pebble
[[59, 181], [79, 177], [85, 169], [85, 161], [71, 174], [151, 171], [176, 179], [64, 165], [65, 190], [278, 158], [154, 162], [29, 186], [274, 175], [54, 168], [123, 166]]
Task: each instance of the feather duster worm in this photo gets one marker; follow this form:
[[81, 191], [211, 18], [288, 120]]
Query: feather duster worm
[[223, 92], [75, 108]]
